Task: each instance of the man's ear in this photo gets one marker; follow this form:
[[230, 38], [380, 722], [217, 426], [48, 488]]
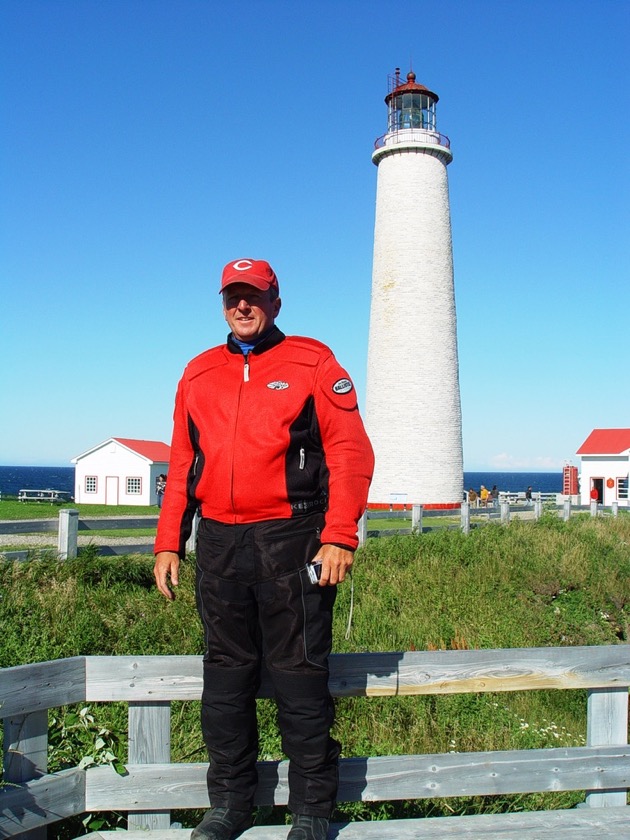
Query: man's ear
[[277, 305]]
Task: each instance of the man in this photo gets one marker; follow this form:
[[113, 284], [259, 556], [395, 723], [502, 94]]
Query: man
[[268, 444]]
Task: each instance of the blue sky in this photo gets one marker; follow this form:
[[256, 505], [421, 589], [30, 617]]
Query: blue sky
[[147, 142]]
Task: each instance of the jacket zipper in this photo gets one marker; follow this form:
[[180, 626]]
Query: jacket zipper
[[302, 458], [238, 411]]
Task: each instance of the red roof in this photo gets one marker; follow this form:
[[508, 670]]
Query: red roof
[[410, 86], [606, 442], [154, 450]]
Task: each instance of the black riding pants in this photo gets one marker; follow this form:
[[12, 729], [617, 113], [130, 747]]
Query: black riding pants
[[257, 603]]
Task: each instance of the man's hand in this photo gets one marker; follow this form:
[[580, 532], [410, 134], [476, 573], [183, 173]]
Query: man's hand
[[336, 562], [166, 565]]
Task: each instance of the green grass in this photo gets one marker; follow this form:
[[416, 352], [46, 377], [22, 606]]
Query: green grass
[[529, 584], [11, 510]]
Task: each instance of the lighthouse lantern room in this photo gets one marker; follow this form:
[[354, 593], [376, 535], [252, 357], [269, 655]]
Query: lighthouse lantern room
[[409, 104]]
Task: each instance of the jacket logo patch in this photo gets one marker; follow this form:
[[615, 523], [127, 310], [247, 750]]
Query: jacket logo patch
[[278, 385], [342, 386]]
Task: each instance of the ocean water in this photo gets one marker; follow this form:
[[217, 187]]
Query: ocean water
[[515, 482], [14, 479]]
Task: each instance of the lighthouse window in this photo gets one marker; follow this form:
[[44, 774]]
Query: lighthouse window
[[622, 488], [394, 118], [411, 112], [414, 110]]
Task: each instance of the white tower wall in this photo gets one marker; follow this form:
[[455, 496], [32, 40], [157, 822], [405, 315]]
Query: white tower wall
[[413, 411]]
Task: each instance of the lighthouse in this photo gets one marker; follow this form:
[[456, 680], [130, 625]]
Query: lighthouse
[[413, 408]]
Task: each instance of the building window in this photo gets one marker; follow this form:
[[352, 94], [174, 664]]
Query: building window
[[134, 486], [622, 488], [90, 483]]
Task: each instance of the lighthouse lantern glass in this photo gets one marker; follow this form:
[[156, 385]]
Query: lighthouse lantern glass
[[412, 110]]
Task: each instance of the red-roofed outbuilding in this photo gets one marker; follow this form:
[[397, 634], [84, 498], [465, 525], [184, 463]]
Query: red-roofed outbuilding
[[120, 471], [605, 466]]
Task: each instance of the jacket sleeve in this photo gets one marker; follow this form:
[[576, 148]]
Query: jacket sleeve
[[347, 450], [179, 504]]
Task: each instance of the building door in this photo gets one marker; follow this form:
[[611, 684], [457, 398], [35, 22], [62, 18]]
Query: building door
[[111, 490], [598, 484]]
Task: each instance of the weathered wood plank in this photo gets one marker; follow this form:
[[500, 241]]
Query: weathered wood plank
[[43, 685], [384, 674], [581, 824], [462, 671], [144, 678], [25, 746], [26, 755], [377, 779], [607, 723], [149, 742], [42, 801]]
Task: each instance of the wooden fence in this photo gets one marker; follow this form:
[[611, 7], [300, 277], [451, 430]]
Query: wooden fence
[[69, 524], [153, 786]]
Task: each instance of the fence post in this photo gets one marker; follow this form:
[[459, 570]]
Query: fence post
[[416, 519], [615, 508], [566, 509], [67, 535], [26, 754], [505, 513], [607, 725], [538, 506], [593, 507], [363, 529], [465, 517], [149, 743]]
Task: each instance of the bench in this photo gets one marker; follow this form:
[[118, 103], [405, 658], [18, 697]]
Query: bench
[[153, 786]]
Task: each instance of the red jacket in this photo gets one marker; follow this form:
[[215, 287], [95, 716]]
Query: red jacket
[[273, 435]]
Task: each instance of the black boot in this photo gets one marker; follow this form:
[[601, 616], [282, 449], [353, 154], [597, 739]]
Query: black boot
[[306, 827], [222, 824]]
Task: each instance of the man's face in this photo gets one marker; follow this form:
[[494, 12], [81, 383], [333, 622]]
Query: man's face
[[248, 311]]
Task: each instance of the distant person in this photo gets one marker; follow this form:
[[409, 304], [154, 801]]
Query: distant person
[[484, 495], [594, 494], [528, 496], [494, 494], [160, 487], [473, 498]]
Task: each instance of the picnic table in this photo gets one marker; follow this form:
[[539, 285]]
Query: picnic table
[[48, 495]]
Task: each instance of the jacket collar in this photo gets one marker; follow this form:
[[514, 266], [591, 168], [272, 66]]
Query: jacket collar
[[273, 337]]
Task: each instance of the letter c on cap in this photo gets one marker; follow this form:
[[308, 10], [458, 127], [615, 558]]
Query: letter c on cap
[[242, 265]]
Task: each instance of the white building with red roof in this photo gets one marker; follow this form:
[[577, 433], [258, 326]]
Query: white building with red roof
[[605, 466], [120, 471]]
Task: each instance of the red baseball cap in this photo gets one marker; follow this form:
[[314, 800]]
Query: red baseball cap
[[257, 273]]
